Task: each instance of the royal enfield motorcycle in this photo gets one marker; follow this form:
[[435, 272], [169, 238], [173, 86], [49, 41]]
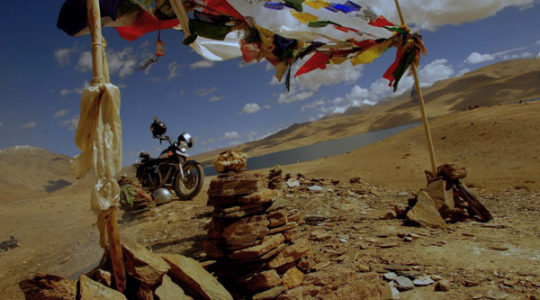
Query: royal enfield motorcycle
[[172, 170]]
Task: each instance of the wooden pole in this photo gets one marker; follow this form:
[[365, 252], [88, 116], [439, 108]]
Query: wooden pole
[[115, 248], [421, 103]]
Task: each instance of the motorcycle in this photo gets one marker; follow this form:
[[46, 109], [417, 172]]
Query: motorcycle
[[172, 170]]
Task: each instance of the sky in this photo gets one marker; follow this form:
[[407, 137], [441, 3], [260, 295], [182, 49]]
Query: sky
[[43, 72]]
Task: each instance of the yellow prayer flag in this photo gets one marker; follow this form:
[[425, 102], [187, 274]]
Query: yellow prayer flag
[[370, 54], [317, 4], [303, 16]]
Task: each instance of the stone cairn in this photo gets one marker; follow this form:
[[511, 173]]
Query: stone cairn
[[253, 235]]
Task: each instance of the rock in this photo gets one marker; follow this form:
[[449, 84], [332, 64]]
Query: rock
[[260, 197], [294, 215], [278, 217], [362, 268], [194, 279], [396, 267], [390, 276], [389, 293], [90, 290], [213, 248], [101, 276], [261, 281], [272, 293], [269, 242], [9, 244], [423, 281], [168, 290], [498, 247], [443, 198], [142, 264], [320, 235], [293, 183], [291, 234], [238, 211], [403, 194], [288, 226], [237, 184], [307, 262], [292, 278], [279, 203], [291, 253], [246, 230], [496, 295], [403, 283], [442, 285], [273, 252], [401, 210], [451, 172], [425, 213], [45, 286], [230, 160], [315, 188], [389, 215]]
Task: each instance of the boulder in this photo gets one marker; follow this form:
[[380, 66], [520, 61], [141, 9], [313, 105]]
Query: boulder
[[425, 213], [291, 234], [92, 290], [246, 230], [236, 184], [194, 279], [291, 253], [230, 160], [142, 264], [261, 281], [292, 278], [101, 276], [213, 248], [288, 226], [45, 286], [269, 242], [404, 284], [168, 290]]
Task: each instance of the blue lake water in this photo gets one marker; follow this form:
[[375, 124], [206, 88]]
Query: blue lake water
[[318, 150]]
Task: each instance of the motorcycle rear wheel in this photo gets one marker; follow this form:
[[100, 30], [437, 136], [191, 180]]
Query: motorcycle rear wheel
[[190, 186]]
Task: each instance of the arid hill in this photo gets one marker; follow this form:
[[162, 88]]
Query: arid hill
[[503, 82], [29, 171]]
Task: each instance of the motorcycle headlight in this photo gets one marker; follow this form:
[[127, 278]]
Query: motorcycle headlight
[[186, 139]]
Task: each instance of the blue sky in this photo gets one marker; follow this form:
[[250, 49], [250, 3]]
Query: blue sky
[[223, 103]]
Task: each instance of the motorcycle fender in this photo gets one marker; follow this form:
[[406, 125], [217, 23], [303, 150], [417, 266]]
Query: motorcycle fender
[[181, 171]]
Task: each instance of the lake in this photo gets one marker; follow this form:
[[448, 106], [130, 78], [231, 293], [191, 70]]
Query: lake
[[318, 150]]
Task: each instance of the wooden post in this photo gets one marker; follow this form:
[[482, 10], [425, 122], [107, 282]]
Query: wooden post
[[115, 248], [421, 103]]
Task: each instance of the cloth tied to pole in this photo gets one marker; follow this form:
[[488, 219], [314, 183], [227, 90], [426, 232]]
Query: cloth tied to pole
[[99, 136]]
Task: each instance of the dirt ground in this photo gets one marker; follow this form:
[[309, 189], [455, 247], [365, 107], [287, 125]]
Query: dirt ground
[[498, 145]]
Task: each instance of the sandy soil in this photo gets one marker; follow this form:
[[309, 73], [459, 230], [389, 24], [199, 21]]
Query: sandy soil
[[499, 146]]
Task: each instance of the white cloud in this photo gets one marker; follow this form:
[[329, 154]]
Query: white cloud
[[70, 124], [202, 64], [463, 72], [174, 70], [294, 97], [312, 105], [63, 55], [430, 14], [538, 42], [215, 98], [229, 135], [28, 125], [435, 71], [121, 63], [206, 91], [477, 58], [358, 92], [266, 106], [538, 55], [61, 113], [76, 90], [250, 108]]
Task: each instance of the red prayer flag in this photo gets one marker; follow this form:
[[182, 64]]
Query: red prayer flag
[[389, 74], [223, 7], [318, 60], [381, 22], [145, 23]]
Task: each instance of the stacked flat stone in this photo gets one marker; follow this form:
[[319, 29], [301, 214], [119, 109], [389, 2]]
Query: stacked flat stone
[[274, 179], [253, 236]]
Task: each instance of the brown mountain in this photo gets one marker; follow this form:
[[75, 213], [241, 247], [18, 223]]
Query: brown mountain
[[500, 83], [27, 171]]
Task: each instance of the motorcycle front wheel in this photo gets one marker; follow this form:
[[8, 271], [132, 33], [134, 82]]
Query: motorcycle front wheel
[[188, 187]]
